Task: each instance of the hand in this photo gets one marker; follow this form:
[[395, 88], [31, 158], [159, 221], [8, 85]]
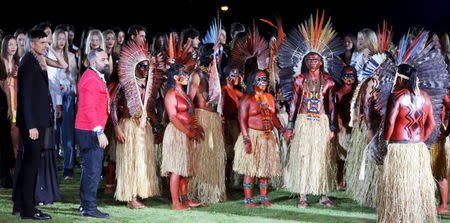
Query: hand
[[200, 133], [9, 113], [248, 147], [287, 135], [34, 134], [332, 136], [58, 111], [120, 137], [102, 140]]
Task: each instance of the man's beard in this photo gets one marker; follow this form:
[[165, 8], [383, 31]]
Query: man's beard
[[105, 72]]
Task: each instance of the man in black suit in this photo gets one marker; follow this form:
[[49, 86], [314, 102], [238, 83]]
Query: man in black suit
[[34, 111]]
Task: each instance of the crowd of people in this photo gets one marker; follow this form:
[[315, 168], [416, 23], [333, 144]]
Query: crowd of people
[[198, 115]]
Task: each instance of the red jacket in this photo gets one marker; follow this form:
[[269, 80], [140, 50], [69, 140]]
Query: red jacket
[[92, 103]]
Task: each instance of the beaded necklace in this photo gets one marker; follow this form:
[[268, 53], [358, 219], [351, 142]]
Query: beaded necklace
[[313, 98], [188, 101], [265, 113]]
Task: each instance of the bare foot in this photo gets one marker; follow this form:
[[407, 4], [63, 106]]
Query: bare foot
[[135, 204], [267, 204], [442, 209], [251, 205], [302, 204], [192, 204], [325, 201], [180, 207]]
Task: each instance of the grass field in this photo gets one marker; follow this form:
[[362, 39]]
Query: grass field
[[231, 211]]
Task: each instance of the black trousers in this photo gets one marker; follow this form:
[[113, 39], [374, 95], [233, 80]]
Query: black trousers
[[27, 165]]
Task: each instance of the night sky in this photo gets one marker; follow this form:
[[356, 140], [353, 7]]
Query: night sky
[[161, 16]]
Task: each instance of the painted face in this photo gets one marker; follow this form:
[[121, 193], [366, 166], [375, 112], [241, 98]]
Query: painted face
[[95, 42], [233, 76], [12, 46], [142, 69], [120, 38], [61, 40], [348, 76], [110, 40], [313, 62], [182, 77], [261, 81], [348, 44]]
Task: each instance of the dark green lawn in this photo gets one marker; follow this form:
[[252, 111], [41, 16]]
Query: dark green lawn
[[231, 211]]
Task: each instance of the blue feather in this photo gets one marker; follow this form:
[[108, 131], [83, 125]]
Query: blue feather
[[213, 32]]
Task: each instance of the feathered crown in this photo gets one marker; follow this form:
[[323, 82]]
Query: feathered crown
[[434, 79], [274, 46], [178, 51], [131, 55], [312, 36], [408, 48], [254, 45], [213, 34]]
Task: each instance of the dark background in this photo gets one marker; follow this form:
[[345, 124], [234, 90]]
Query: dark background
[[161, 15]]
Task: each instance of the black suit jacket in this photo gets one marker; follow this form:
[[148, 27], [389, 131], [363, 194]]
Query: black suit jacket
[[34, 102]]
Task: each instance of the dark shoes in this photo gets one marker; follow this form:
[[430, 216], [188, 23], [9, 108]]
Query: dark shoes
[[94, 214], [37, 216]]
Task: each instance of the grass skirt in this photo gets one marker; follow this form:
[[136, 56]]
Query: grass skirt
[[406, 190], [439, 160], [135, 163], [263, 161], [362, 190], [311, 167], [208, 183], [278, 182], [178, 153]]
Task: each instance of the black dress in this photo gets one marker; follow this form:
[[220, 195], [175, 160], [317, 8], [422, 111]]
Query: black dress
[[6, 147]]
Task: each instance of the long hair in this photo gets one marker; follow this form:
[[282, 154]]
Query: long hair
[[173, 70], [368, 36], [66, 44], [158, 47], [251, 79], [410, 72], [91, 34], [445, 42], [353, 39], [206, 54], [4, 49]]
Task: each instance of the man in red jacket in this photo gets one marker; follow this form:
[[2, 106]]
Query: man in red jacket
[[89, 125]]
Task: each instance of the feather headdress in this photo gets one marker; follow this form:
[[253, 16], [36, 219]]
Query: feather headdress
[[314, 35], [433, 78], [131, 55], [252, 46], [273, 48], [376, 53], [178, 51], [213, 34]]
